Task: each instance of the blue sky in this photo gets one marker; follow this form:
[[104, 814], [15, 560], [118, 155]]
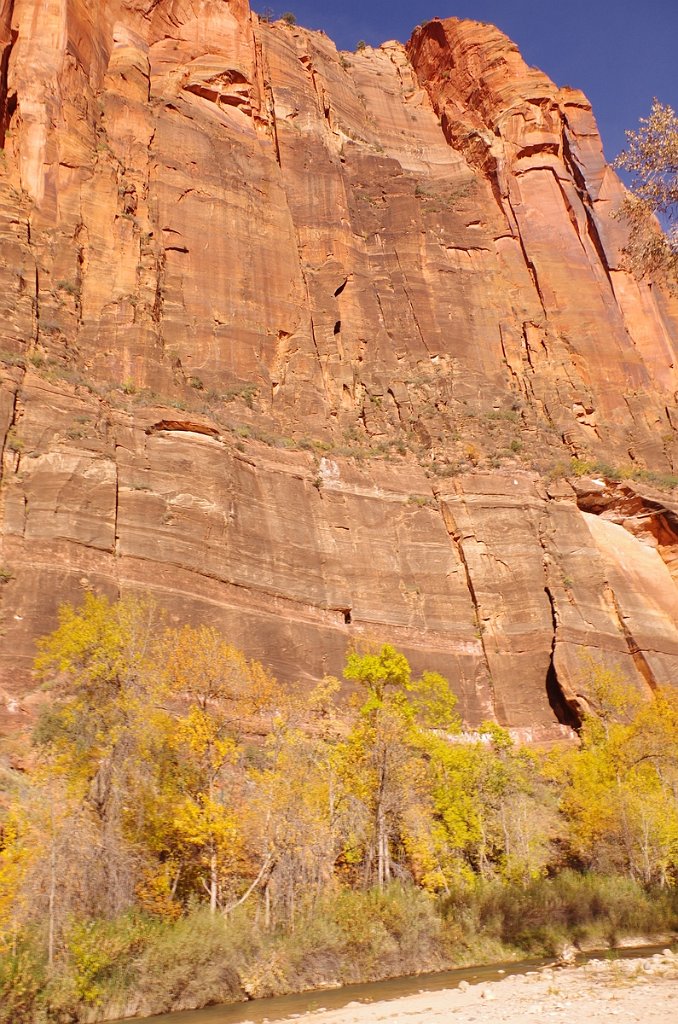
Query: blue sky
[[622, 53]]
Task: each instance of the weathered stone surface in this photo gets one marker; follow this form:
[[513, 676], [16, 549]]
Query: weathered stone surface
[[259, 301]]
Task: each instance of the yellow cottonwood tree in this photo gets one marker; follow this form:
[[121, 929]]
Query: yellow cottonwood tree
[[98, 737], [621, 800], [380, 761], [217, 695], [203, 823]]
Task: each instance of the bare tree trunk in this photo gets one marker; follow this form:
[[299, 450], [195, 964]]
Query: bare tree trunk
[[505, 832], [482, 851], [380, 846], [627, 839], [382, 839], [175, 883], [267, 906], [267, 866], [645, 847], [214, 880], [387, 856], [52, 888]]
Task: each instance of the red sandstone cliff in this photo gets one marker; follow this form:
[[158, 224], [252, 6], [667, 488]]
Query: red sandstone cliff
[[294, 340]]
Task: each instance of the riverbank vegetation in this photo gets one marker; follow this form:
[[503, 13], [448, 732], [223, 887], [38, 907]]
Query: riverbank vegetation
[[189, 831]]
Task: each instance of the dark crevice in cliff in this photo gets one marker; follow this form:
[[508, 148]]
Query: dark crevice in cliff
[[566, 713], [189, 426], [8, 103], [597, 244], [262, 70], [566, 710], [36, 305], [10, 426], [116, 536], [535, 150], [586, 201], [570, 161]]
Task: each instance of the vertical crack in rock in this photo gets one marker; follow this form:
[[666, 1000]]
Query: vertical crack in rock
[[405, 291], [367, 345], [321, 363], [637, 655], [36, 302], [586, 201], [565, 709], [116, 536], [457, 540], [8, 37], [597, 244], [532, 270], [262, 71], [569, 159], [10, 425]]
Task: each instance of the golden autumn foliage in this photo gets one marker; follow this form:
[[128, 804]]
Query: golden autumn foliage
[[173, 772], [620, 800]]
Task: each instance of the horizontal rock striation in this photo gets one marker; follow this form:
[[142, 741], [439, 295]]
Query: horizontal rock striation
[[296, 341]]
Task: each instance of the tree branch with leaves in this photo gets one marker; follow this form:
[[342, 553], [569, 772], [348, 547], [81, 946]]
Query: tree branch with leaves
[[651, 157]]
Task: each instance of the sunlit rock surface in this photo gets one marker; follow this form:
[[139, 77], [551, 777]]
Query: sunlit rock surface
[[296, 341]]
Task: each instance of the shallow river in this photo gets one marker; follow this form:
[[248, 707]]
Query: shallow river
[[260, 1010]]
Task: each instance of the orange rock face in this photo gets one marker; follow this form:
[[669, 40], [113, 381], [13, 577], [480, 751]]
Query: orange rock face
[[295, 340]]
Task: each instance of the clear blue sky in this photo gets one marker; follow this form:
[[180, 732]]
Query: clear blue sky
[[622, 53]]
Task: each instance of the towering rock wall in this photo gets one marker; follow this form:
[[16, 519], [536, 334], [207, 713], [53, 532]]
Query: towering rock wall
[[297, 340]]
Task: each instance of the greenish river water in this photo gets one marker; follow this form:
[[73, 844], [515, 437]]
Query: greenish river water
[[259, 1010]]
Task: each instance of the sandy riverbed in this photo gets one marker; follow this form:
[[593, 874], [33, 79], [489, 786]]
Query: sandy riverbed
[[623, 991]]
